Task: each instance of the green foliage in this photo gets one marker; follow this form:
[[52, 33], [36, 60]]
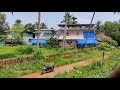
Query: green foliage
[[38, 55], [20, 58], [112, 29], [25, 50], [43, 25], [15, 51], [99, 69], [110, 41], [51, 42], [3, 24], [104, 46], [36, 65], [3, 37], [17, 31], [70, 19], [107, 43]]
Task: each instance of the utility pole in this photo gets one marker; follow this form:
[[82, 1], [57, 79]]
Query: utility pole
[[39, 16], [64, 34], [89, 29]]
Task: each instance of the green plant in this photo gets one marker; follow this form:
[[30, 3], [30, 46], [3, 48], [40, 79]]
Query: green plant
[[20, 59], [36, 65], [99, 69], [38, 55], [3, 37], [104, 46], [26, 50], [110, 41], [51, 42]]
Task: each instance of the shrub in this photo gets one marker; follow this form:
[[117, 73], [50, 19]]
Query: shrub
[[25, 50], [51, 42], [110, 41], [107, 43], [39, 55], [104, 46]]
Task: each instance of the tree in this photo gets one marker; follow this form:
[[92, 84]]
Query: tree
[[112, 29], [29, 27], [3, 24], [2, 18], [43, 25], [51, 42], [18, 21], [71, 19], [97, 27], [17, 31]]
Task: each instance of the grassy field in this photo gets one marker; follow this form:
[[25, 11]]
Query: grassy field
[[15, 51], [36, 65], [98, 69]]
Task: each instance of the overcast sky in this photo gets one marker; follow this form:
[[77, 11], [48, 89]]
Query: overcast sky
[[54, 18]]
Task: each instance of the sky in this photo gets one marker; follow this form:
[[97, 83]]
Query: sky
[[54, 18]]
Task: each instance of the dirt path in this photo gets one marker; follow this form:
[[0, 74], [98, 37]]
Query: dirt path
[[62, 69]]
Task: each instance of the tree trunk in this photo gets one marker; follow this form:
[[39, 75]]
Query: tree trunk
[[88, 30], [39, 15], [64, 35]]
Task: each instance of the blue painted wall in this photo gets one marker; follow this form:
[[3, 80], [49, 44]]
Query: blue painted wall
[[90, 35]]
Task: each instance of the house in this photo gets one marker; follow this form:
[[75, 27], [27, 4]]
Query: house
[[100, 36], [44, 34], [76, 34]]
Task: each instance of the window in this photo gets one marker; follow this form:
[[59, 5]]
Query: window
[[77, 34], [67, 34]]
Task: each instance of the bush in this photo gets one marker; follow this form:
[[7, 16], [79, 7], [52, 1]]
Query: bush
[[107, 43], [39, 55], [3, 37], [14, 41], [51, 42], [104, 46], [25, 50], [110, 41]]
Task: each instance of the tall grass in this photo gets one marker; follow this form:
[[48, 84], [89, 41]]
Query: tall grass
[[98, 69], [21, 50], [15, 51], [36, 65]]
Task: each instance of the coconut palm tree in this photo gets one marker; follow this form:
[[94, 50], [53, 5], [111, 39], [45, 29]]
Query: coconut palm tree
[[44, 26], [18, 21], [70, 19]]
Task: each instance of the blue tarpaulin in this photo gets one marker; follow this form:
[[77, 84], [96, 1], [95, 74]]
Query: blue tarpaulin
[[90, 42], [41, 42]]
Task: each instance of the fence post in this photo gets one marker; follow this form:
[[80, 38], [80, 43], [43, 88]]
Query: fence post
[[103, 54]]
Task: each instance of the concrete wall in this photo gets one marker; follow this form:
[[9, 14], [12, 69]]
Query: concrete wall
[[73, 34]]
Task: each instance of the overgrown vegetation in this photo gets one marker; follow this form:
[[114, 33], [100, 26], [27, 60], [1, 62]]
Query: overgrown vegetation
[[20, 50], [15, 51], [107, 44], [112, 29], [51, 42], [36, 65], [98, 69]]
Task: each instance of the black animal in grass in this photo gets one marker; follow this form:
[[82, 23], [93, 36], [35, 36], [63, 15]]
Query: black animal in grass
[[47, 69], [115, 73]]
